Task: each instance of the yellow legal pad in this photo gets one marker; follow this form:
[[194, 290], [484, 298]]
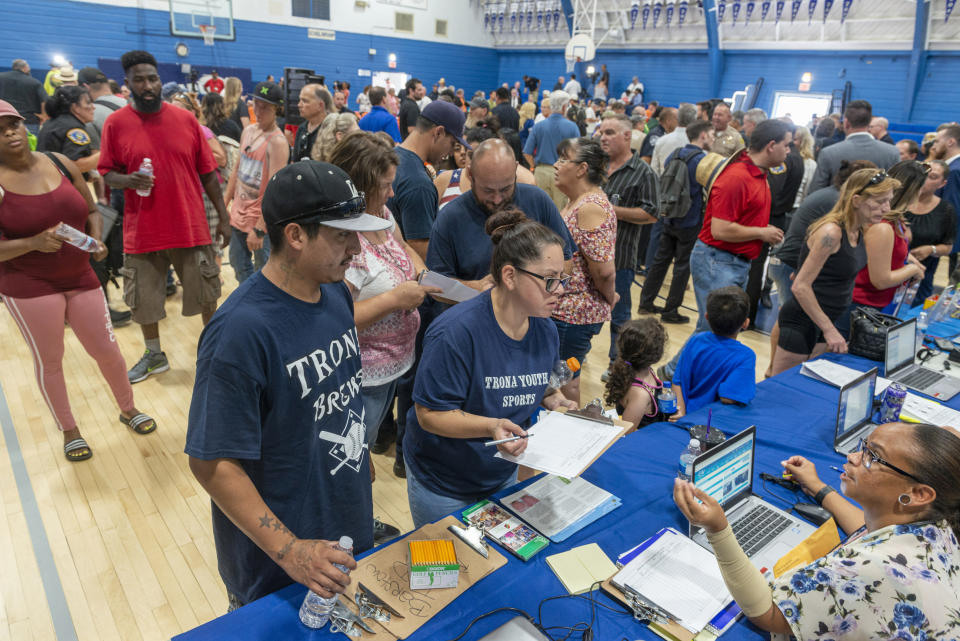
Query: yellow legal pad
[[581, 567]]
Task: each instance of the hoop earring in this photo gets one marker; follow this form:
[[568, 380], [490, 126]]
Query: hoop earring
[[903, 499]]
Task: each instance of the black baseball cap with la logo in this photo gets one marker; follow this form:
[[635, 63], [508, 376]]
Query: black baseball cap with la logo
[[317, 192], [268, 92]]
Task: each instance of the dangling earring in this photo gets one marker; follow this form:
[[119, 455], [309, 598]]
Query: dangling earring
[[904, 499]]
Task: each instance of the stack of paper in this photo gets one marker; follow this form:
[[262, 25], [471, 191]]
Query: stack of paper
[[921, 410], [678, 576], [567, 445], [578, 569], [557, 507]]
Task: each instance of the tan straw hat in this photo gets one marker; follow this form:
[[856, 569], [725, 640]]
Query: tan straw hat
[[709, 168]]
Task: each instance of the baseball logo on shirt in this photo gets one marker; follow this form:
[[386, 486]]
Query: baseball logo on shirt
[[349, 444]]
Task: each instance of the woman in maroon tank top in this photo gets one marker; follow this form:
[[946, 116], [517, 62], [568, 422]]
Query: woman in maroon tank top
[[46, 283]]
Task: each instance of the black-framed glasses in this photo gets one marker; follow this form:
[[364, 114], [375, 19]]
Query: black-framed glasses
[[878, 178], [550, 283], [868, 457]]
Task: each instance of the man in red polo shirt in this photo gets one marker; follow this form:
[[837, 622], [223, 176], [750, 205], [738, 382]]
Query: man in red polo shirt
[[214, 84], [737, 220]]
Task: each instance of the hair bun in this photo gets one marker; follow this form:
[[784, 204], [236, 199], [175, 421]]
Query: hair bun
[[501, 222]]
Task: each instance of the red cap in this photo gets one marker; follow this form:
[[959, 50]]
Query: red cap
[[6, 109]]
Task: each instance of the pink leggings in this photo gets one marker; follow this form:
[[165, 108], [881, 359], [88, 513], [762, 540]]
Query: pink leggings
[[41, 321]]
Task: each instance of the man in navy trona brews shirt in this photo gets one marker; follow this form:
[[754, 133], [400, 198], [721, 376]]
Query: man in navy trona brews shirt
[[277, 430]]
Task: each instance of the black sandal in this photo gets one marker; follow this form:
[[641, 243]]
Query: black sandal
[[139, 423], [77, 450]]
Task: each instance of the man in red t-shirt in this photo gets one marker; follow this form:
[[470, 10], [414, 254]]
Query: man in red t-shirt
[[168, 226], [737, 219], [214, 84]]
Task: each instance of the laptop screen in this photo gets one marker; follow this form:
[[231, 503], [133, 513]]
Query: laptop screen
[[726, 470], [856, 403], [901, 347]]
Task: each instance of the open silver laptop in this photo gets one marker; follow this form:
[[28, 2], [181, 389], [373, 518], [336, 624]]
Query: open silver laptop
[[899, 364], [765, 532], [516, 629], [854, 411]]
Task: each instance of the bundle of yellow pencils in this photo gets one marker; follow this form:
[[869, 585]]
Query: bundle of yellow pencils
[[433, 564]]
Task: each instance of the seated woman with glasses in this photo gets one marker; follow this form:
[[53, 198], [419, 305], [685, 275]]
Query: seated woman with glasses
[[485, 369], [889, 262], [830, 260], [896, 577]]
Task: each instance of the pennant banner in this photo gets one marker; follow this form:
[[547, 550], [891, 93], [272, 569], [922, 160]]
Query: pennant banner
[[657, 10], [556, 18], [634, 13], [670, 10], [682, 11], [780, 5], [645, 14], [736, 13], [845, 10], [750, 6], [810, 9], [795, 9], [950, 5], [721, 8], [827, 6], [764, 10]]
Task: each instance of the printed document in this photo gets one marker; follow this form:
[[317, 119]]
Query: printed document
[[553, 504], [452, 289]]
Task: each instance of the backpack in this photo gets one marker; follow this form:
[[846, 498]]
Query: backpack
[[675, 199]]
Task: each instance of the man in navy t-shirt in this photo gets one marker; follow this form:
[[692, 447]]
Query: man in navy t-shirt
[[459, 246], [415, 201], [276, 430], [714, 365]]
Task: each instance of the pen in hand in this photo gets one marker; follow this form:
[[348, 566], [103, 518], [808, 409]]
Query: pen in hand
[[507, 440]]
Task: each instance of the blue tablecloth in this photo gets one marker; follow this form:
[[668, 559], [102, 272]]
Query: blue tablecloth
[[794, 414]]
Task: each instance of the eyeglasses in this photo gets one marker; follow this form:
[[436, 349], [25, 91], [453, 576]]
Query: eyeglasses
[[869, 457], [878, 178], [550, 283]]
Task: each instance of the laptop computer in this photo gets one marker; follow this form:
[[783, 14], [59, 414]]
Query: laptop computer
[[765, 532], [516, 629], [854, 411], [899, 364]]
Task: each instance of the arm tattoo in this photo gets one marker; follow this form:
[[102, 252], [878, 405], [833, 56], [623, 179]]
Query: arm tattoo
[[827, 242], [286, 548], [268, 521]]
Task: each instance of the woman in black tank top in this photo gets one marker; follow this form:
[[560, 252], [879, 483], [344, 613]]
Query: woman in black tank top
[[830, 259], [633, 386]]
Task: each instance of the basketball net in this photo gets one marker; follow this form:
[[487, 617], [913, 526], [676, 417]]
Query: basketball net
[[571, 62], [208, 31]]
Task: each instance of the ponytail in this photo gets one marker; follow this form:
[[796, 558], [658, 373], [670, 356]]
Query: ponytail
[[62, 99]]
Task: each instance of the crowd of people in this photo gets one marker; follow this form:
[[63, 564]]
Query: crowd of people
[[548, 205]]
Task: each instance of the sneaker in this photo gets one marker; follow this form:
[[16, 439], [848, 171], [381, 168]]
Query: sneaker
[[674, 317], [150, 363], [649, 309], [383, 532], [119, 319], [605, 376], [399, 468]]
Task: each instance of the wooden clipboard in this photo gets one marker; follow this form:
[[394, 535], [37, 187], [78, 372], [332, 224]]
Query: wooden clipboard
[[674, 631], [386, 573]]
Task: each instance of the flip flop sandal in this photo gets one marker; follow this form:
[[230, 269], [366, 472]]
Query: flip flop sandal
[[139, 423], [77, 450]]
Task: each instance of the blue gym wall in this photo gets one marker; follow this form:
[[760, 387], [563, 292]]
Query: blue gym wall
[[675, 76], [87, 32]]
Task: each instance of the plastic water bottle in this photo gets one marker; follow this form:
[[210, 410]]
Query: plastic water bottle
[[146, 167], [315, 611], [685, 471], [562, 372], [667, 400], [77, 238], [923, 321]]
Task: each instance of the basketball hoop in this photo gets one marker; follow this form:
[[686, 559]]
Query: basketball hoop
[[209, 32]]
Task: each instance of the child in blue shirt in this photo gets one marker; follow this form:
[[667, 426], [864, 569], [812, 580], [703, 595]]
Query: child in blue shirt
[[713, 365]]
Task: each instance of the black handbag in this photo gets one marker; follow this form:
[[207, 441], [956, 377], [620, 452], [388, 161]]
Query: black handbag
[[868, 332]]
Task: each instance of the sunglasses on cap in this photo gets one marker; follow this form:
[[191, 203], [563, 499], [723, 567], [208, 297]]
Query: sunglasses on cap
[[338, 211]]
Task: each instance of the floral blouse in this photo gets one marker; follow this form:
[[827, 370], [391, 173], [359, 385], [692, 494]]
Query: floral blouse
[[900, 582], [581, 302]]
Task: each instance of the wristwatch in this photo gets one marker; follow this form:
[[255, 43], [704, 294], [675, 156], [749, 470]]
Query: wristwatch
[[822, 494], [259, 233], [933, 250]]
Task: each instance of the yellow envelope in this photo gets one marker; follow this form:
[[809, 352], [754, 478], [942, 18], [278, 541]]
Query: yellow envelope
[[818, 544]]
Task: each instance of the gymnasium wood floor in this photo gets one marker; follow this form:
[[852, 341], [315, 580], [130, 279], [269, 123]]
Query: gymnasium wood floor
[[129, 530]]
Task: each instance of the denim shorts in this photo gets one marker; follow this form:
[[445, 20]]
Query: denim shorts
[[575, 340]]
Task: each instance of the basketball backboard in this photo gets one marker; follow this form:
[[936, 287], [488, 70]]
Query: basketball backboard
[[187, 17]]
